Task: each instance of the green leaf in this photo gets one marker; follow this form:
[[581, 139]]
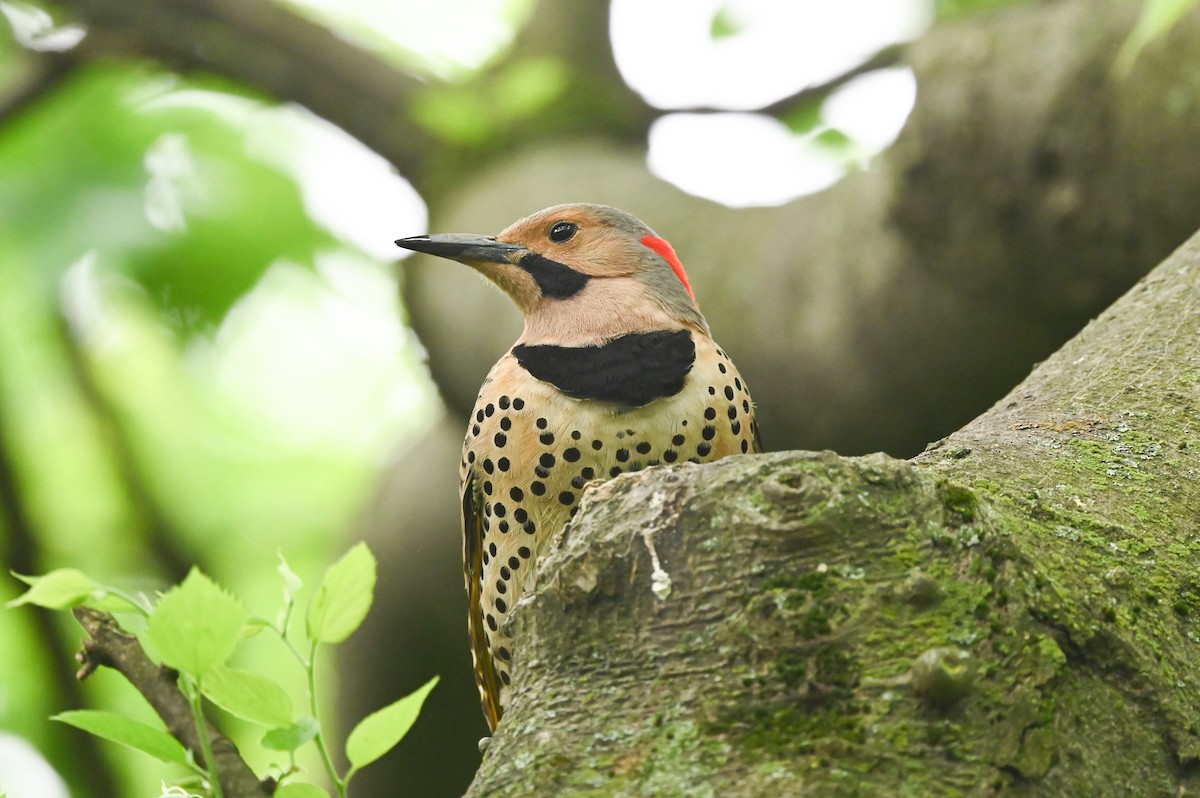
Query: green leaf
[[1158, 16], [196, 625], [343, 597], [725, 24], [292, 737], [805, 117], [834, 142], [292, 584], [106, 601], [126, 731], [250, 696], [378, 733], [453, 114], [294, 789], [528, 86], [57, 590]]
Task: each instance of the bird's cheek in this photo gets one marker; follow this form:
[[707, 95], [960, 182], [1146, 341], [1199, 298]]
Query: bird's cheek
[[514, 281]]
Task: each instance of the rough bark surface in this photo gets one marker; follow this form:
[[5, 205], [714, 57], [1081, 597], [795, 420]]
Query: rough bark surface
[[1012, 612]]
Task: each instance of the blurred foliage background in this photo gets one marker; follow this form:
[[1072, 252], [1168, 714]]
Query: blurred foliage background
[[204, 357]]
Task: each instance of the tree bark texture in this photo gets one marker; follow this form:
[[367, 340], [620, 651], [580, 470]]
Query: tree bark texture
[[1013, 612]]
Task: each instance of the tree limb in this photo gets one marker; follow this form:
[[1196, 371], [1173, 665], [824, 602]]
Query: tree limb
[[38, 75], [111, 647], [266, 46]]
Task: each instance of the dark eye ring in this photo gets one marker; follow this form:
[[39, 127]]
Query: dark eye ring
[[563, 231]]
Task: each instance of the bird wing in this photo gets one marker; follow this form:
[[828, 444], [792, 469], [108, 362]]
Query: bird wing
[[481, 654]]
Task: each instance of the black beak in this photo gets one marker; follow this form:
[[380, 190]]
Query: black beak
[[463, 247]]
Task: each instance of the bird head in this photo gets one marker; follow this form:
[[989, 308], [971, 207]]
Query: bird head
[[579, 273]]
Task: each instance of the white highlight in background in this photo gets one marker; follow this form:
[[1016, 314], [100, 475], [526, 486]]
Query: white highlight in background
[[25, 773], [738, 159], [666, 52]]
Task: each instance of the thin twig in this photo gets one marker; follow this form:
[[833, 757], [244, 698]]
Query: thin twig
[[111, 647]]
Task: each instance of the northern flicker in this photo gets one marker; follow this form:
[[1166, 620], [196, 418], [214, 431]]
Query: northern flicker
[[615, 371]]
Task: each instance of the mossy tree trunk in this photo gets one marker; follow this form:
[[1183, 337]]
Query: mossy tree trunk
[[1012, 612]]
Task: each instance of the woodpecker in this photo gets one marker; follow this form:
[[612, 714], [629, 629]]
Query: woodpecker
[[615, 371]]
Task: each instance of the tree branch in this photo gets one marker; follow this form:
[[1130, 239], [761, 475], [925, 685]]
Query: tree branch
[[265, 45], [159, 531], [111, 647], [39, 74], [21, 554]]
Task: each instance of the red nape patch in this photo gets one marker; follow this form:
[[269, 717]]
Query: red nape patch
[[661, 246]]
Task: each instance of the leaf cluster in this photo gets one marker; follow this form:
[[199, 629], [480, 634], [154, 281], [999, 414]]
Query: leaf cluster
[[195, 627]]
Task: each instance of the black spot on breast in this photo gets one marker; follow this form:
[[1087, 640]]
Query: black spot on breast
[[555, 280], [745, 446], [516, 493], [547, 460], [537, 488], [501, 605], [501, 587], [622, 455], [500, 439], [643, 447], [504, 677], [502, 464], [571, 455], [708, 433], [503, 402], [736, 428], [541, 423], [514, 563], [710, 413], [503, 653], [566, 497], [704, 448], [479, 415], [506, 423], [547, 438], [670, 455], [631, 370], [678, 440], [518, 404], [491, 622], [729, 392], [588, 472], [524, 552], [520, 515]]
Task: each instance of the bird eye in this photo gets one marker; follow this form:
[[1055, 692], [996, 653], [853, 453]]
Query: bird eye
[[563, 231]]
